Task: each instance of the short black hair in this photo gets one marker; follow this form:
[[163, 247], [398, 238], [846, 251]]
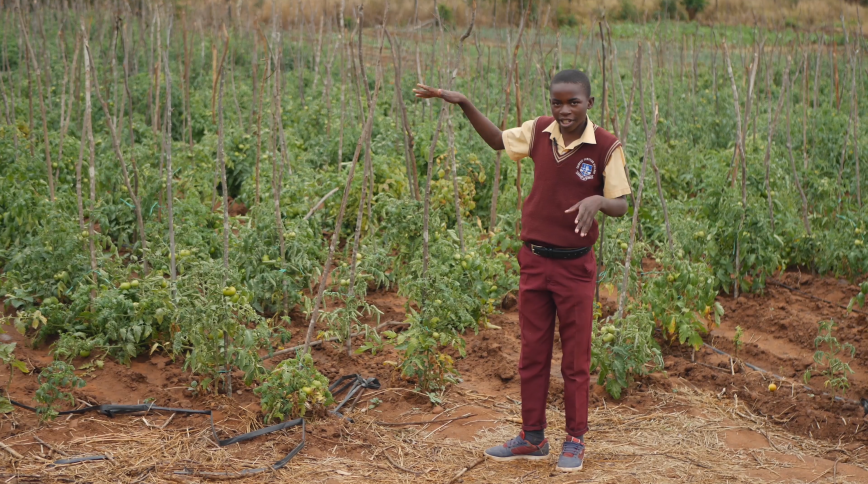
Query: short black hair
[[575, 77]]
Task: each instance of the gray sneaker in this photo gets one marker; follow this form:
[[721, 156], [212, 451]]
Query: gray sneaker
[[572, 456], [518, 448]]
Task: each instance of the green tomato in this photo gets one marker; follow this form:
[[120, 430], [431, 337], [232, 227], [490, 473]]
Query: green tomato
[[435, 335], [235, 298], [265, 258], [608, 337], [456, 256], [229, 291], [464, 264], [435, 320], [316, 384], [164, 284], [125, 286], [134, 283], [84, 353], [307, 390]]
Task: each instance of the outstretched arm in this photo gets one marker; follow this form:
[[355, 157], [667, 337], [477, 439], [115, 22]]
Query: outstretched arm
[[490, 133]]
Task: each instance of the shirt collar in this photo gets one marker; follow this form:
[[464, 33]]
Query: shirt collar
[[554, 129]]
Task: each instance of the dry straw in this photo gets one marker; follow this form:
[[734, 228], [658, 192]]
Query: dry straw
[[677, 440]]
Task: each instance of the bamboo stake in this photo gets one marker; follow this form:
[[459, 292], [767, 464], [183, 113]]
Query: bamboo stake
[[496, 182], [650, 151], [91, 168], [737, 105], [409, 142], [817, 77], [221, 160], [835, 75], [459, 223], [167, 143], [772, 123], [235, 93], [318, 53], [110, 120], [366, 132], [805, 219], [64, 122], [605, 89], [649, 141], [344, 107], [258, 107], [32, 58], [750, 92]]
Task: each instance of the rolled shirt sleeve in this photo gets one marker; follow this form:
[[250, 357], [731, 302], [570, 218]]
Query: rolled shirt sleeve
[[516, 141], [615, 182]]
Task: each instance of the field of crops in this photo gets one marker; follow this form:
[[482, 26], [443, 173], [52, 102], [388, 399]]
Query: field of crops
[[218, 208]]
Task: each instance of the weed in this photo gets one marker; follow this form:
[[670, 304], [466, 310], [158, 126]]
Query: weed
[[57, 381], [828, 363]]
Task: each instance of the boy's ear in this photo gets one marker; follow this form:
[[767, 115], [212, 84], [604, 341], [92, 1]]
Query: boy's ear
[[590, 102]]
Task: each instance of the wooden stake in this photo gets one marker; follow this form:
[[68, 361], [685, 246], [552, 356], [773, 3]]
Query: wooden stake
[[366, 132]]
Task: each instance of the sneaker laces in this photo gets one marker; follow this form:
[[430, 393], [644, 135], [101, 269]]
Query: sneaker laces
[[518, 441], [573, 447]]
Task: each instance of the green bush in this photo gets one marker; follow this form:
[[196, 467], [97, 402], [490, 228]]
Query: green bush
[[668, 9], [627, 11], [693, 7], [293, 388], [56, 380]]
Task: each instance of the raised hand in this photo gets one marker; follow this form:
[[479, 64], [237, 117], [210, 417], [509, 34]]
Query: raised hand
[[427, 92], [587, 209]]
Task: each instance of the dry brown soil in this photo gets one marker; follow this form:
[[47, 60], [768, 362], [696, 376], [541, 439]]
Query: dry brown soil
[[779, 329]]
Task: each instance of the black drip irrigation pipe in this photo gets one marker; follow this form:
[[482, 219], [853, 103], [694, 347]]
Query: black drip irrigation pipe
[[112, 410], [355, 385], [756, 368], [352, 384]]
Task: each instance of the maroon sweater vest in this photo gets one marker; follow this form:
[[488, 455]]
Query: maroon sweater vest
[[561, 181]]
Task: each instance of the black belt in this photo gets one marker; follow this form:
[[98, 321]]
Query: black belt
[[555, 253]]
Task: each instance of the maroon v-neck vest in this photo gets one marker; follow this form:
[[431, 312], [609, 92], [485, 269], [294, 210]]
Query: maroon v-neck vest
[[560, 181]]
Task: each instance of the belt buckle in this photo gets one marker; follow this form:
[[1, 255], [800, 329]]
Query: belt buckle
[[533, 249]]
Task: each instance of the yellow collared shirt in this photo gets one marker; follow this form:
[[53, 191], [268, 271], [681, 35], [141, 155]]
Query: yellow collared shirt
[[517, 144]]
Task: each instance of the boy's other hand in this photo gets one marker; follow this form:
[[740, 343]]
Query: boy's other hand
[[587, 209], [427, 92]]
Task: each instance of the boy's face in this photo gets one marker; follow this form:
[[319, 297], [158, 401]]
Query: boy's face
[[570, 104]]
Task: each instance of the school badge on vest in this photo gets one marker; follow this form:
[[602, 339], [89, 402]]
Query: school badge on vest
[[586, 169]]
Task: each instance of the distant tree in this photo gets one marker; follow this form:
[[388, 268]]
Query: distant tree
[[693, 7]]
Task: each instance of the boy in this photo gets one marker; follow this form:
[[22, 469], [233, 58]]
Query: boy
[[578, 168]]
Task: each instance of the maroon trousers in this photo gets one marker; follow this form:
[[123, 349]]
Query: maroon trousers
[[548, 287]]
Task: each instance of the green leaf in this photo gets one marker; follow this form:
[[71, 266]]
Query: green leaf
[[20, 365]]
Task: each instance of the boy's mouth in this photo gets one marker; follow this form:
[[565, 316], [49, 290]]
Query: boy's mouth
[[566, 122]]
